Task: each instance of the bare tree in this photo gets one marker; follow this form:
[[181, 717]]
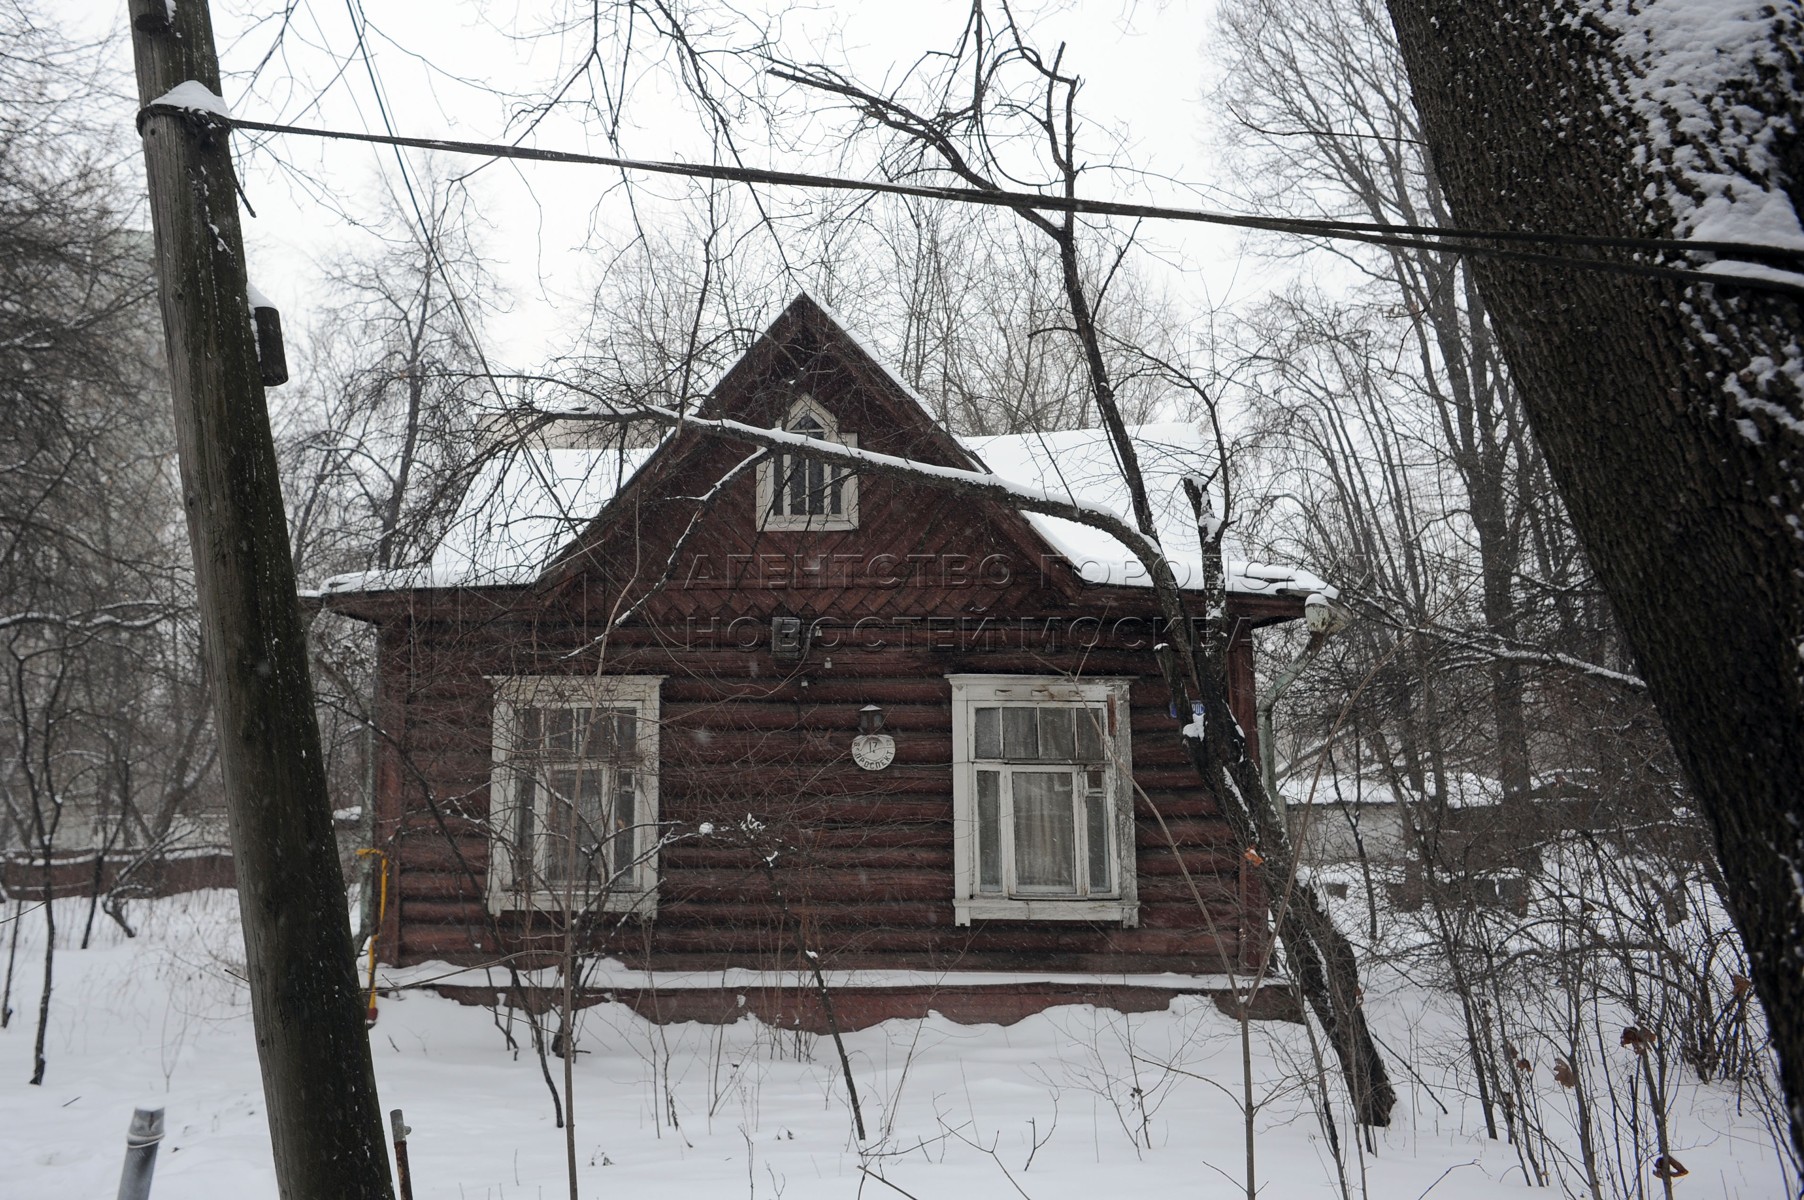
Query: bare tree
[[943, 133], [1319, 108], [89, 574], [381, 432]]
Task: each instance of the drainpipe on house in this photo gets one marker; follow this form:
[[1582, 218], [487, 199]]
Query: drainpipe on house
[[1324, 618]]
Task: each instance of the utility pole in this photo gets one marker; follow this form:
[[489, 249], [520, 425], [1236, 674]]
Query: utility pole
[[318, 1085]]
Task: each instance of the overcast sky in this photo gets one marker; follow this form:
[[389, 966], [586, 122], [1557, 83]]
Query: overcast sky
[[448, 68]]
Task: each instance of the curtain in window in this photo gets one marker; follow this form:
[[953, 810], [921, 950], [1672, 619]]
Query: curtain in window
[[1045, 831]]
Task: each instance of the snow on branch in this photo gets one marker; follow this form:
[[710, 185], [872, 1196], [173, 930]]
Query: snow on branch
[[1496, 648], [107, 618]]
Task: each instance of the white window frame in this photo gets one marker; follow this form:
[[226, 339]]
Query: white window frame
[[970, 692], [640, 693], [768, 477]]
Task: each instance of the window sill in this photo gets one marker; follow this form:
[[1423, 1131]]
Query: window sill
[[771, 523], [985, 908]]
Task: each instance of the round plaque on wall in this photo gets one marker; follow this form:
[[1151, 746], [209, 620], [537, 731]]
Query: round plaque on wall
[[873, 751]]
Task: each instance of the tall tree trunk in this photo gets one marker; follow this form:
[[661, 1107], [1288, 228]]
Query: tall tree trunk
[[1320, 958], [1499, 560], [37, 1048], [1670, 413], [94, 889]]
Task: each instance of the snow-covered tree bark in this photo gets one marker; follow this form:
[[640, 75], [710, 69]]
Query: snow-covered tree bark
[[1670, 413]]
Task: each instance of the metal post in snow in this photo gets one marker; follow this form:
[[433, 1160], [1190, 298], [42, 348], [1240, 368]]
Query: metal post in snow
[[141, 1139], [400, 1130]]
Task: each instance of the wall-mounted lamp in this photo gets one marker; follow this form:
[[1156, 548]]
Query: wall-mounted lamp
[[870, 719], [1324, 616]]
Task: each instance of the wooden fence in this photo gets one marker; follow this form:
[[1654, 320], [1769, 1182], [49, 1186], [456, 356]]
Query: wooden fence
[[74, 873]]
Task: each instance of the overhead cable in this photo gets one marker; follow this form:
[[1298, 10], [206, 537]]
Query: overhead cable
[[1481, 242]]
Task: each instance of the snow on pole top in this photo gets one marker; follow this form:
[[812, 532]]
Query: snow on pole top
[[195, 97]]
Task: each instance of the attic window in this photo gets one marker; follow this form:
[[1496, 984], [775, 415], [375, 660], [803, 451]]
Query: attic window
[[799, 492]]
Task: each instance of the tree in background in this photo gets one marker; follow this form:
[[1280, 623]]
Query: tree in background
[[102, 739], [387, 420], [379, 435]]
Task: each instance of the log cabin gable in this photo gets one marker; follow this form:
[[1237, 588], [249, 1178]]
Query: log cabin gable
[[677, 541]]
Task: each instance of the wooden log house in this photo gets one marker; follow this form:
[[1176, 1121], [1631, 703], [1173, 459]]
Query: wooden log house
[[743, 715]]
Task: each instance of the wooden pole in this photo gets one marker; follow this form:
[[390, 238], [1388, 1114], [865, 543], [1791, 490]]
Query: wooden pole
[[318, 1085]]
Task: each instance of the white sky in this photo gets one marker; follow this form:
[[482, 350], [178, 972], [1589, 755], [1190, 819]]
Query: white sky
[[1145, 65]]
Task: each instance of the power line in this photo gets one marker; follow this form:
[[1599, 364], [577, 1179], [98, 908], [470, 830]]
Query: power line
[[428, 239], [1423, 237]]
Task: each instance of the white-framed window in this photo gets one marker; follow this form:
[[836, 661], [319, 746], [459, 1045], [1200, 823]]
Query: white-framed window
[[798, 492], [574, 793], [1042, 800]]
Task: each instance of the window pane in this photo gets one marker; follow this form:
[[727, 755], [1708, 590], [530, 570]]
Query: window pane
[[817, 487], [574, 825], [1055, 735], [529, 730], [989, 733], [559, 731], [989, 831], [590, 735], [552, 852], [1096, 809], [779, 481], [798, 485], [1045, 831], [1089, 735], [836, 496], [624, 852], [1020, 737], [525, 796], [626, 735]]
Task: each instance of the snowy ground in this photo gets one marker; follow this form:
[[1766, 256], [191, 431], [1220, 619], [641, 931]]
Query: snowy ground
[[1042, 1109]]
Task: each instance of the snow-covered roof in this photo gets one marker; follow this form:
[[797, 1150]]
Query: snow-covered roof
[[1079, 464], [523, 510], [1462, 789], [519, 512]]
